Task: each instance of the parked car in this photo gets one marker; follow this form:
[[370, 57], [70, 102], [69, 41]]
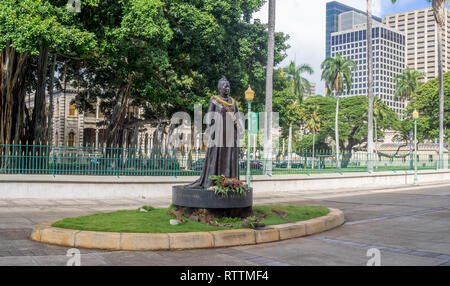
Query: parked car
[[281, 164], [254, 165], [284, 164], [297, 165]]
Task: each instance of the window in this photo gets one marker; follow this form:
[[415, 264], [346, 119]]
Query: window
[[72, 110], [71, 142]]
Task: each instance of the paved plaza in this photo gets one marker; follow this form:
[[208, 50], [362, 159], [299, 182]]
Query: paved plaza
[[410, 226]]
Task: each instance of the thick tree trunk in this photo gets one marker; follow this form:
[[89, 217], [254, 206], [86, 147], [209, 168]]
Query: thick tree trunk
[[376, 143], [162, 153], [439, 15], [290, 146], [369, 88], [301, 137], [39, 117], [313, 151], [441, 100], [13, 71], [336, 130], [269, 88], [117, 119], [346, 156], [50, 106]]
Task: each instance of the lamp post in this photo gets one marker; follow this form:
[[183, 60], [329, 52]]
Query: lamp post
[[249, 96], [415, 115]]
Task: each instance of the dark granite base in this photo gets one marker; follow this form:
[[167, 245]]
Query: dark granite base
[[206, 199]]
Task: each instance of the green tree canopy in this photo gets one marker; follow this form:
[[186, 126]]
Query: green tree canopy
[[352, 119], [30, 30], [299, 85], [26, 25], [160, 55], [337, 73], [407, 83], [426, 102], [165, 56]]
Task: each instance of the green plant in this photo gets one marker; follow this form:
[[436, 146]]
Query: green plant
[[228, 220], [224, 186], [253, 222], [148, 208]]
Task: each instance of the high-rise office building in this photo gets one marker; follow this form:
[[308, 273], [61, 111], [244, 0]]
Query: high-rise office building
[[421, 44], [347, 20], [311, 91], [388, 60], [334, 9]]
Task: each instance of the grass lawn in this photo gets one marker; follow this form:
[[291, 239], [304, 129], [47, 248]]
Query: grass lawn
[[157, 220]]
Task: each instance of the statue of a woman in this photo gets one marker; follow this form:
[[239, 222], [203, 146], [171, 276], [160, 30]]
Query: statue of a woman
[[224, 158]]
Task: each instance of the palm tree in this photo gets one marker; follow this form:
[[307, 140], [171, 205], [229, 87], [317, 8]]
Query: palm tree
[[369, 86], [300, 86], [336, 72], [302, 120], [314, 126], [269, 88], [439, 17], [380, 113], [407, 83]]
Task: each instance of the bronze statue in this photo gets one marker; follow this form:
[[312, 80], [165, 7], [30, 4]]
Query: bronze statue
[[222, 159]]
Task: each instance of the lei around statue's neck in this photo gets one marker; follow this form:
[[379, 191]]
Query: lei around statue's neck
[[228, 100]]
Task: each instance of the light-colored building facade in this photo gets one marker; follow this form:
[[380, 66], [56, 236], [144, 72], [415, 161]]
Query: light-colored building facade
[[312, 90], [73, 128], [388, 60], [420, 29]]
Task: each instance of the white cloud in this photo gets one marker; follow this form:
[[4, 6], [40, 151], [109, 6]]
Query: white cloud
[[304, 22]]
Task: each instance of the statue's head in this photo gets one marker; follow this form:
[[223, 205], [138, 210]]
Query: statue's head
[[224, 86]]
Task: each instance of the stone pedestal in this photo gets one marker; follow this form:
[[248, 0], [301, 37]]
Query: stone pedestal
[[231, 206]]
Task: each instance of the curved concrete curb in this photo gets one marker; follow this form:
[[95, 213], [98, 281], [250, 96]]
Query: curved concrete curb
[[44, 232]]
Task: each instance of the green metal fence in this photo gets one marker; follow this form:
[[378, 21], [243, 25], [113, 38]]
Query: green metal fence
[[132, 161], [326, 162]]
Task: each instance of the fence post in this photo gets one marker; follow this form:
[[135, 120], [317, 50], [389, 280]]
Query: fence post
[[117, 161], [54, 160]]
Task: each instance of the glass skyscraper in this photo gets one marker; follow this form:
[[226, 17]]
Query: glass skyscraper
[[334, 9], [388, 60]]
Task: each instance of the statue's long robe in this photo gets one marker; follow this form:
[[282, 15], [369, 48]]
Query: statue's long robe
[[221, 160]]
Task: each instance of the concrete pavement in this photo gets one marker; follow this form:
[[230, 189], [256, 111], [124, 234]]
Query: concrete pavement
[[410, 226], [28, 186]]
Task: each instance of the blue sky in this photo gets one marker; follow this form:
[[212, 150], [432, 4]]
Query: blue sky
[[402, 6], [304, 21]]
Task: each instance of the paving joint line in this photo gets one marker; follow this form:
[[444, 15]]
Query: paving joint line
[[407, 214], [417, 253], [431, 219], [265, 261]]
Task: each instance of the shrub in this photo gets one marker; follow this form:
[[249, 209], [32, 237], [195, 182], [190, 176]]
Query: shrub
[[224, 186]]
